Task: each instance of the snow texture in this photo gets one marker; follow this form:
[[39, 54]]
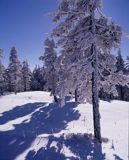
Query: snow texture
[[32, 127]]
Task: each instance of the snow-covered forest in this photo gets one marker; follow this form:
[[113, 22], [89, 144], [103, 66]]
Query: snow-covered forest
[[75, 106], [18, 77]]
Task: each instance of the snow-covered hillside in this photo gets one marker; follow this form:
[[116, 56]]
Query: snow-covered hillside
[[34, 128]]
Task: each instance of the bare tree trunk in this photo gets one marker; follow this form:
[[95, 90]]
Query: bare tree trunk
[[121, 93], [25, 86], [15, 89], [53, 91], [55, 99], [76, 95], [1, 91], [95, 99]]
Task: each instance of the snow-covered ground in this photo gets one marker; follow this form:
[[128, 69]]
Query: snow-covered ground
[[34, 128]]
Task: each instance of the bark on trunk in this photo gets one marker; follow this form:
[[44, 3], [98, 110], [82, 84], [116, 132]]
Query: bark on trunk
[[95, 99], [15, 90], [25, 86], [1, 91], [121, 93], [55, 99], [95, 103], [76, 95]]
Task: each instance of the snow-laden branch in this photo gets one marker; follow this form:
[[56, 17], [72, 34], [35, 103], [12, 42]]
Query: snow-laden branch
[[100, 12]]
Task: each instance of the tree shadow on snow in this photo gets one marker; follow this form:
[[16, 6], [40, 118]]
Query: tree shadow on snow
[[82, 147], [46, 119], [117, 157], [42, 119]]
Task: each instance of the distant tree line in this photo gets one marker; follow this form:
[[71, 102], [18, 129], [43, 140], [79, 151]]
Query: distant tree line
[[122, 91], [18, 77]]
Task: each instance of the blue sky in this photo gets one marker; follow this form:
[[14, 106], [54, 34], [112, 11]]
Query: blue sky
[[24, 24]]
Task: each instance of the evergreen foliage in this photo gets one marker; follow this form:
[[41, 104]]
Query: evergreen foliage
[[87, 38], [14, 72], [49, 61], [26, 76], [2, 74]]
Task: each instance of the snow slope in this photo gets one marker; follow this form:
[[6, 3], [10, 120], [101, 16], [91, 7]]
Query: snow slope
[[34, 128]]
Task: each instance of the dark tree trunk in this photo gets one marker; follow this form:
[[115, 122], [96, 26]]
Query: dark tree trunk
[[96, 114], [55, 99], [25, 86], [121, 93], [1, 91], [95, 99], [9, 86], [76, 95], [15, 91]]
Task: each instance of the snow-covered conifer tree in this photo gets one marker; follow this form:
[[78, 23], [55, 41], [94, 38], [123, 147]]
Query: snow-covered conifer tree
[[126, 88], [127, 64], [49, 60], [87, 38], [37, 80], [2, 72], [120, 62], [120, 67], [26, 73], [14, 71]]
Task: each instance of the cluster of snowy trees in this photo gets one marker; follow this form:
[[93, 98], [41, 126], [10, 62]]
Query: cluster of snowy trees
[[55, 74], [17, 77], [85, 67], [122, 91]]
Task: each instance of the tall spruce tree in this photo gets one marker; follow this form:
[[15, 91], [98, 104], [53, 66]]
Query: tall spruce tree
[[14, 71], [37, 80], [126, 88], [127, 64], [120, 62], [120, 68], [26, 76], [49, 60], [88, 37], [2, 74]]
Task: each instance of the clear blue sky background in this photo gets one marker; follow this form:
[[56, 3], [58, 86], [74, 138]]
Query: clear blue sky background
[[23, 24]]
